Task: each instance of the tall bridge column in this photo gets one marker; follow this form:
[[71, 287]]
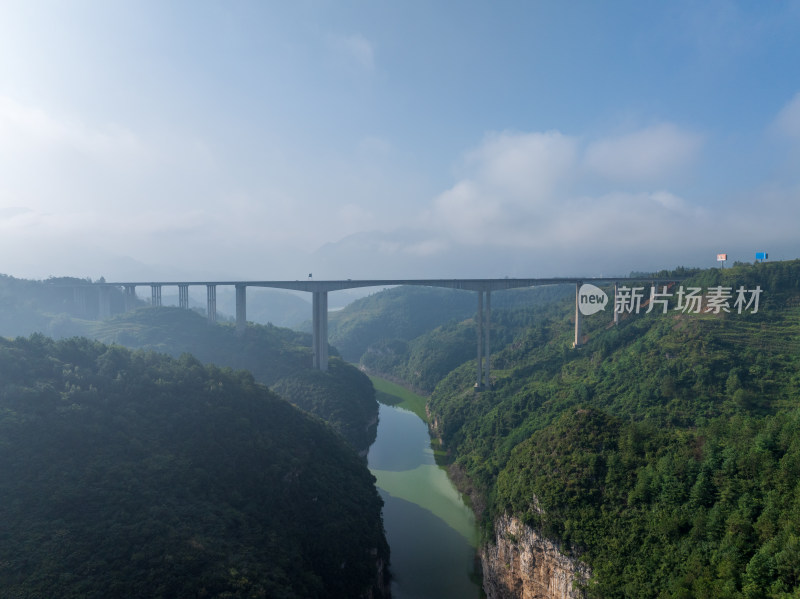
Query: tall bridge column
[[241, 308], [483, 321], [320, 329], [155, 295], [479, 323], [79, 297], [130, 297], [211, 302], [616, 314], [183, 296], [577, 342], [103, 302], [486, 328]]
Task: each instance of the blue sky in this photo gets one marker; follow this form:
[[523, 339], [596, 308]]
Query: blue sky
[[355, 139]]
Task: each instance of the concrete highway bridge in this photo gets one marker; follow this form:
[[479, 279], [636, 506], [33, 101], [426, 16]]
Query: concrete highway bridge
[[320, 290]]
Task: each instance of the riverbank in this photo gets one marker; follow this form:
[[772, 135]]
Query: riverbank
[[430, 527], [392, 394]]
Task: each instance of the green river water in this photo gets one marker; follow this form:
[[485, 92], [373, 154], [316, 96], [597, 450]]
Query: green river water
[[430, 529]]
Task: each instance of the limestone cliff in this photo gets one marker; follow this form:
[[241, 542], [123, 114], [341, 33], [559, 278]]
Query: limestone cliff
[[520, 564], [381, 589]]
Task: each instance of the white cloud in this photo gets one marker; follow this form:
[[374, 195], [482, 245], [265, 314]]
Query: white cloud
[[517, 195], [526, 166], [371, 146], [511, 184], [60, 164], [787, 122], [649, 155], [429, 247], [353, 218], [466, 213], [31, 129], [12, 212], [356, 49]]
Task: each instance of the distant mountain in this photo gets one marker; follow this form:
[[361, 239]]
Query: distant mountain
[[269, 306], [396, 316], [264, 305]]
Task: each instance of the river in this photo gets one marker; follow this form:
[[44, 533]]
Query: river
[[430, 529]]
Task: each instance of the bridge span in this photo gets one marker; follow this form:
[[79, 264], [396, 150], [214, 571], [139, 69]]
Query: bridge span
[[320, 290]]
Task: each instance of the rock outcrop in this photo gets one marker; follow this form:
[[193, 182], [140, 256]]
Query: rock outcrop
[[521, 564], [381, 588]]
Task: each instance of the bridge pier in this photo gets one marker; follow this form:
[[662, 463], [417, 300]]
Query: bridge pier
[[183, 296], [479, 323], [103, 302], [211, 302], [320, 290], [482, 320], [616, 314], [155, 295], [79, 298], [241, 308], [577, 342], [320, 329], [486, 328], [130, 297]]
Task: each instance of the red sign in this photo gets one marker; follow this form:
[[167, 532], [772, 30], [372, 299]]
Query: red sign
[[722, 257]]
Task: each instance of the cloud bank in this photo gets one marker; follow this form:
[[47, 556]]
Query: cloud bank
[[547, 203], [521, 203]]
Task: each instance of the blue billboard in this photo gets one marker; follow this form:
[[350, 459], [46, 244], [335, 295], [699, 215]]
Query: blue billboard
[[762, 255]]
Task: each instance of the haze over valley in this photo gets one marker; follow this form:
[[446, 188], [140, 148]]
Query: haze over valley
[[428, 300]]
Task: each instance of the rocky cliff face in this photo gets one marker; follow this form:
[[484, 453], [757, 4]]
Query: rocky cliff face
[[380, 588], [520, 564]]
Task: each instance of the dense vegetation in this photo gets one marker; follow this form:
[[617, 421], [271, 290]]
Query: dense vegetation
[[378, 329], [665, 453], [343, 396], [269, 352], [65, 306], [397, 313], [137, 475], [53, 307], [275, 306], [424, 361], [277, 357]]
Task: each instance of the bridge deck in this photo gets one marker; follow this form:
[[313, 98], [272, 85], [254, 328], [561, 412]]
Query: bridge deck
[[320, 290], [339, 285]]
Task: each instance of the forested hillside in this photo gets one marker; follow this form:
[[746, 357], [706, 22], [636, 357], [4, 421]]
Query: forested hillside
[[278, 357], [393, 317], [51, 307], [665, 452], [65, 306], [424, 361], [137, 475], [267, 351]]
